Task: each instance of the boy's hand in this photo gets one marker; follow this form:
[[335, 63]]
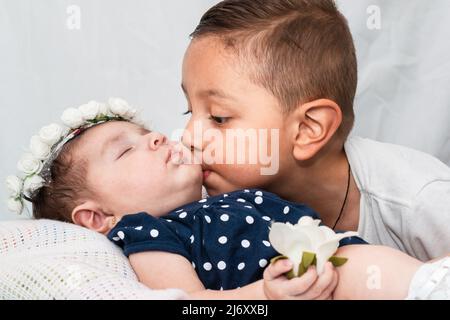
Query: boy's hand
[[307, 287]]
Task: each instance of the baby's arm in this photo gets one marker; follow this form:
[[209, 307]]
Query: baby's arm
[[162, 270], [374, 272]]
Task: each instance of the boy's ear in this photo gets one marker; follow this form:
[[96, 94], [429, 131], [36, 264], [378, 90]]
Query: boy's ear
[[91, 216], [315, 123]]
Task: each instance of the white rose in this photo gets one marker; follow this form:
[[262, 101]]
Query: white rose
[[14, 186], [32, 184], [29, 164], [306, 236], [15, 205], [51, 134], [38, 148], [119, 106], [90, 110], [73, 118], [104, 110]]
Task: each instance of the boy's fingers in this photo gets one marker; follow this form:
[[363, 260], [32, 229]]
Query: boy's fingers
[[274, 271]]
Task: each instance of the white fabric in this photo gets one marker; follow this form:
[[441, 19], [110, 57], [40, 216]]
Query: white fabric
[[405, 197], [45, 259], [431, 282]]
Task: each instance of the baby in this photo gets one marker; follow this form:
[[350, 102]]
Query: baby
[[107, 168]]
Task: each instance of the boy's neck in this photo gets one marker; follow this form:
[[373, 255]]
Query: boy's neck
[[323, 186]]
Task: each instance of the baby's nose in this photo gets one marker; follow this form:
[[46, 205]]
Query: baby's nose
[[156, 140]]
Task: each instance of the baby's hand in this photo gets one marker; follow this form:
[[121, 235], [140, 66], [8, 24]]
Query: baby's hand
[[307, 287]]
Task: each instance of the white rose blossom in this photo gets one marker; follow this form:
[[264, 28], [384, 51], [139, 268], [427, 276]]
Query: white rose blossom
[[119, 107], [29, 164], [33, 183], [306, 236], [14, 186], [15, 205], [90, 110], [51, 134], [39, 149], [73, 118]]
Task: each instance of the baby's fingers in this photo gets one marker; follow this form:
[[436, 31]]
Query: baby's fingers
[[297, 287], [277, 269], [324, 282]]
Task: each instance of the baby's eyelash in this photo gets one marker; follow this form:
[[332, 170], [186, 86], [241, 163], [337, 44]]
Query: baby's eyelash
[[123, 153], [187, 112]]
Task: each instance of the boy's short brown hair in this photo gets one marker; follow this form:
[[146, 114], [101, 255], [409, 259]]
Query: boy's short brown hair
[[300, 50]]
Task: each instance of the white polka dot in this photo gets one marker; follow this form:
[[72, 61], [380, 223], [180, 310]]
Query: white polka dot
[[192, 239], [183, 215], [121, 235], [154, 233], [266, 218], [258, 200], [178, 211], [203, 200], [250, 207], [223, 240], [205, 206], [246, 190], [249, 219], [208, 219], [240, 200], [225, 206], [138, 228], [241, 266], [116, 238], [221, 288], [224, 217], [168, 220], [258, 193], [221, 200], [225, 195], [221, 265], [286, 210], [193, 264], [266, 243], [207, 266], [245, 243], [262, 263]]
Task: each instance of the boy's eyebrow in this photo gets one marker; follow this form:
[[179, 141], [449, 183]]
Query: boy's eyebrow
[[215, 93]]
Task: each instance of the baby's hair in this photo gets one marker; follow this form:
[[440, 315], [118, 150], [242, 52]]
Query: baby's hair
[[299, 50], [63, 192]]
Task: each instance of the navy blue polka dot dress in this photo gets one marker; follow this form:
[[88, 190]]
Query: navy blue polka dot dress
[[224, 237]]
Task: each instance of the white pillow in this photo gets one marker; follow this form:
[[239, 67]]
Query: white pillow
[[45, 259]]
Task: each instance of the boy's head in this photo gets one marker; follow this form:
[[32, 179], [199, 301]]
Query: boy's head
[[112, 169], [267, 59]]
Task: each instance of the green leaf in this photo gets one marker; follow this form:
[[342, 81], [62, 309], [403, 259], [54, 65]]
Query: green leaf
[[275, 259], [290, 274], [338, 261], [308, 259]]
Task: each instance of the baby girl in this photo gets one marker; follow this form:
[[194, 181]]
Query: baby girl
[[111, 175]]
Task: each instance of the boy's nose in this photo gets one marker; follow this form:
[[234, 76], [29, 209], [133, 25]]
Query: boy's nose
[[156, 140], [190, 141]]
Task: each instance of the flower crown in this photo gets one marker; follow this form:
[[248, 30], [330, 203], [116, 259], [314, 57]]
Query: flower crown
[[35, 165]]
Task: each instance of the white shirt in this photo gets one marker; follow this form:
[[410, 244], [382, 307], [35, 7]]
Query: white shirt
[[405, 197]]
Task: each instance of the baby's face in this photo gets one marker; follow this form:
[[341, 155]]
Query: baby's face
[[131, 169], [221, 97]]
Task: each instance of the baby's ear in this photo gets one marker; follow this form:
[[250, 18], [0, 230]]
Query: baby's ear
[[91, 216]]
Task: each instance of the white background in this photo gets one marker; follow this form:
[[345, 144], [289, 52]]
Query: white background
[[134, 49]]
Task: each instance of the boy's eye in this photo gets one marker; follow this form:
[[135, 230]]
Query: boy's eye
[[219, 120], [187, 112]]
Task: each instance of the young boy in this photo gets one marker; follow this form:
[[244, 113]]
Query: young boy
[[291, 65]]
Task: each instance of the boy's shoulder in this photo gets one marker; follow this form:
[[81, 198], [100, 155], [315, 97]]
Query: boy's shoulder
[[392, 168]]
